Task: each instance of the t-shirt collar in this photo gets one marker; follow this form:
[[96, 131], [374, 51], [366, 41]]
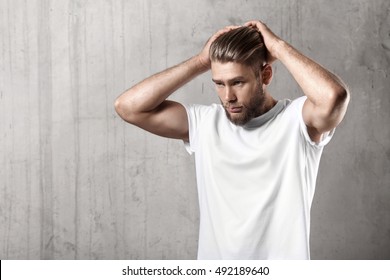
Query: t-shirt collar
[[264, 118]]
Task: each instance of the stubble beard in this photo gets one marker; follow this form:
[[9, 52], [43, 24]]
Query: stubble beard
[[249, 111]]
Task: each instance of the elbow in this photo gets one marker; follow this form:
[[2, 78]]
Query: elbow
[[337, 104], [340, 97], [118, 105], [123, 108]]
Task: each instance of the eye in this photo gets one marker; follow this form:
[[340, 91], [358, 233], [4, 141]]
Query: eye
[[219, 84], [238, 83]]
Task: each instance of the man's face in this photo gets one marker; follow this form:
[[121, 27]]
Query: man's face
[[240, 91]]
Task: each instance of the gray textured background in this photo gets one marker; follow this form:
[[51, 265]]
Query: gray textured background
[[76, 182]]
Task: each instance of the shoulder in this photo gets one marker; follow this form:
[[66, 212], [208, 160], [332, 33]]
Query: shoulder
[[202, 109], [197, 112], [295, 105], [295, 112], [293, 109], [201, 118]]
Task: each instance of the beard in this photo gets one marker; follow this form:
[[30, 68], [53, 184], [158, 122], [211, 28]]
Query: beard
[[253, 109]]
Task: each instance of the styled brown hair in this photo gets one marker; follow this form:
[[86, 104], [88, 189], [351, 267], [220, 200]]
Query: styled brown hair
[[243, 45]]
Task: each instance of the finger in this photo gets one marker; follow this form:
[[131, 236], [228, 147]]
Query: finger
[[225, 30], [231, 27], [252, 23], [259, 25]]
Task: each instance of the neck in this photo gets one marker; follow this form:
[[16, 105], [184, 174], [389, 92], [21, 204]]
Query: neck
[[269, 102]]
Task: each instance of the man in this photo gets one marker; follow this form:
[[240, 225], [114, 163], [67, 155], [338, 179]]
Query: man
[[256, 158]]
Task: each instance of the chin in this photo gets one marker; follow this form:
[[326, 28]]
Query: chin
[[239, 120]]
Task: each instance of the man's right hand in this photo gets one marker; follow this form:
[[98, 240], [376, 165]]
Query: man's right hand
[[145, 104], [204, 55]]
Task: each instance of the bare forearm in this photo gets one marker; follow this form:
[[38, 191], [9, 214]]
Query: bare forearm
[[147, 95], [328, 96], [317, 83]]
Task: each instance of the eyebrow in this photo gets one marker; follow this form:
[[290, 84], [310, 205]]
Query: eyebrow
[[230, 80]]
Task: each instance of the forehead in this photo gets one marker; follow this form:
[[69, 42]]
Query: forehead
[[230, 70]]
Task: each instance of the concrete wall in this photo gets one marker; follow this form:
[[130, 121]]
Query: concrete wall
[[76, 182]]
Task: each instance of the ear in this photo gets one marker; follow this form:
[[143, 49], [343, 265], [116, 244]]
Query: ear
[[266, 74]]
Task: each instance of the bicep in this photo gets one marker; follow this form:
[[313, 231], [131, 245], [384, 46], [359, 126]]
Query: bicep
[[320, 119], [169, 119]]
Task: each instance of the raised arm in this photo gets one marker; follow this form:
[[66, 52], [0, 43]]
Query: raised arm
[[145, 104], [327, 95]]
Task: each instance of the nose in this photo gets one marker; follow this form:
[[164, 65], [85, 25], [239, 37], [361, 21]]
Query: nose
[[229, 94]]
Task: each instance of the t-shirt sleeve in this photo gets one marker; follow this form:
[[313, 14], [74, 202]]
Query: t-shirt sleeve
[[326, 137], [195, 114]]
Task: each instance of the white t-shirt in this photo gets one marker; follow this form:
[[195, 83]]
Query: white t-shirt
[[255, 182]]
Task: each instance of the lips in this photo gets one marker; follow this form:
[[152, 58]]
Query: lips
[[235, 109]]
